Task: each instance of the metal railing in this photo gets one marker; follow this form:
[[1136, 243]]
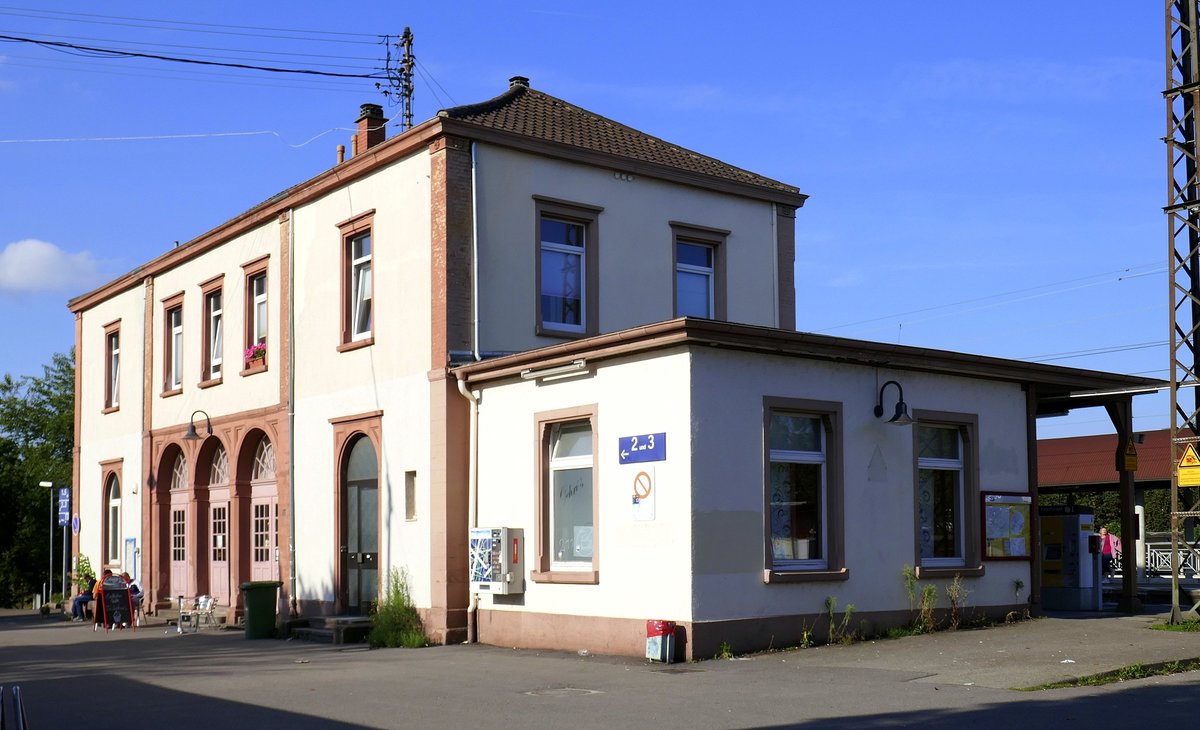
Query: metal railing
[[1159, 558]]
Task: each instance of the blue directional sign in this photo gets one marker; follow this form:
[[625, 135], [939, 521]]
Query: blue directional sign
[[643, 447], [64, 506]]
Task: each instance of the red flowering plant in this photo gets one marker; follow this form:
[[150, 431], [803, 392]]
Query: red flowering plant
[[256, 353]]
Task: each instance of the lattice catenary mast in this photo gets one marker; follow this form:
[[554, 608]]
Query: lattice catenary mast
[[1183, 215]]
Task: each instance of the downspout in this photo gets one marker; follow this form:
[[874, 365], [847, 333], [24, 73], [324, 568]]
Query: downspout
[[291, 412], [473, 458], [474, 259], [472, 496]]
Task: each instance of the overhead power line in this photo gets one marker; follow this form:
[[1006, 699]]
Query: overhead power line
[[198, 26], [111, 53]]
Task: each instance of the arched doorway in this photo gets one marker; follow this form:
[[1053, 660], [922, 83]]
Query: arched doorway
[[264, 514], [218, 525], [112, 523], [359, 529], [177, 521]]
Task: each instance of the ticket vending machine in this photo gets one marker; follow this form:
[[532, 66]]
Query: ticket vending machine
[[1070, 559]]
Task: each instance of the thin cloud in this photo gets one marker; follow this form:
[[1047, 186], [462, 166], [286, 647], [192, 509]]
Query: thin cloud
[[37, 266], [1026, 81]]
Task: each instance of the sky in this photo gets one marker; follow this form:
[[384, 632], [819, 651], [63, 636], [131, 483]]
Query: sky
[[984, 178]]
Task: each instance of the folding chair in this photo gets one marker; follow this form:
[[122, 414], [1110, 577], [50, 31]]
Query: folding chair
[[200, 610]]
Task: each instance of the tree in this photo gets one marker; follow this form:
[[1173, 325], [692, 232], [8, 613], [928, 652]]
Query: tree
[[37, 436]]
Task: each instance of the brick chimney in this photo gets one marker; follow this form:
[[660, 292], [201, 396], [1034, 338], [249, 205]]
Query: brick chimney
[[371, 128]]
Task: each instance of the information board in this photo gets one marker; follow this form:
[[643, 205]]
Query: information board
[[1006, 526], [118, 606]]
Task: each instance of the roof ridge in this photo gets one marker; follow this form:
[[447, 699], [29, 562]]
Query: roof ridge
[[527, 112], [482, 107]]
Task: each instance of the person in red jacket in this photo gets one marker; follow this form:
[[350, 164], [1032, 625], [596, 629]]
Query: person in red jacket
[[1110, 545]]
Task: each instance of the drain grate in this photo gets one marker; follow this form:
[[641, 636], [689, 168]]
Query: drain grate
[[562, 692]]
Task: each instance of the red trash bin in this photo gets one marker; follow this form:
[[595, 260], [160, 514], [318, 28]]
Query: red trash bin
[[660, 641]]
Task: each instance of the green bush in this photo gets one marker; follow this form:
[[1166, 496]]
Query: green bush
[[83, 567], [395, 620]]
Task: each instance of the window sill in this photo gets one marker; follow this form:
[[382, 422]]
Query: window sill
[[804, 576], [356, 345], [254, 368], [546, 331], [576, 577], [209, 383], [931, 573], [109, 409], [169, 393]]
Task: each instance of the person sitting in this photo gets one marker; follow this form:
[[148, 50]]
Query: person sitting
[[135, 593], [80, 603]]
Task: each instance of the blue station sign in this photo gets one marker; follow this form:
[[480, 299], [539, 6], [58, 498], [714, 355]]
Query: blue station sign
[[64, 506], [643, 447]]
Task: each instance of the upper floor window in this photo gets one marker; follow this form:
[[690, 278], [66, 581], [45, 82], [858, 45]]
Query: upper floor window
[[258, 309], [360, 287], [803, 490], [214, 334], [173, 344], [562, 266], [567, 263], [112, 366], [699, 271], [358, 281], [947, 492], [256, 316]]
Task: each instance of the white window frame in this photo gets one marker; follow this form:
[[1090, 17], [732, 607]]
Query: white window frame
[[112, 506], [258, 308], [175, 328], [113, 341], [216, 335], [580, 254], [708, 272], [361, 274], [958, 468], [789, 456], [571, 463]]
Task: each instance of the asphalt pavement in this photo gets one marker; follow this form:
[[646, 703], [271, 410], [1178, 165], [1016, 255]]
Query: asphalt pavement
[[215, 678]]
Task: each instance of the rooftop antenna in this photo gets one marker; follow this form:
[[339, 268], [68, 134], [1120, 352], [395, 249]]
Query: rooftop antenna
[[399, 72]]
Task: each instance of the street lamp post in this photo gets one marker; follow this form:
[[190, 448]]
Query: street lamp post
[[50, 582]]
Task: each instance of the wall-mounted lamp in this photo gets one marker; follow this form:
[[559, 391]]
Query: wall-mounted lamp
[[191, 434], [901, 418], [571, 368]]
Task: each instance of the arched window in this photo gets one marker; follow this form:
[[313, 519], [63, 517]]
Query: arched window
[[112, 499], [179, 473], [264, 460], [219, 473]]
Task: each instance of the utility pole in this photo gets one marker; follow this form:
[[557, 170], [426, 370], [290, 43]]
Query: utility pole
[[1183, 216], [400, 76]]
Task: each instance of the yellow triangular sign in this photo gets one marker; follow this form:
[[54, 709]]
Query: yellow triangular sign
[[1189, 457]]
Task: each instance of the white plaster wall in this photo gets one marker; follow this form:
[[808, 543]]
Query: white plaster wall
[[108, 436], [636, 275], [390, 375], [235, 394], [644, 566], [405, 448], [878, 465]]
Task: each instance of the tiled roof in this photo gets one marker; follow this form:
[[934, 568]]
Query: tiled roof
[[533, 114], [1092, 459]]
